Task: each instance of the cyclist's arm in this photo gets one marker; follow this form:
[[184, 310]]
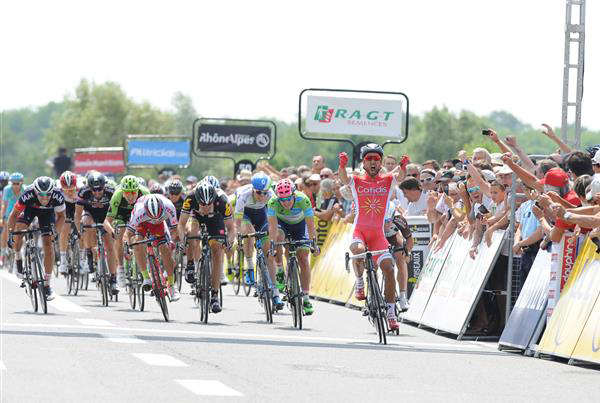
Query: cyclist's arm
[[115, 201], [183, 219], [78, 214], [60, 220], [310, 225], [3, 209], [272, 220]]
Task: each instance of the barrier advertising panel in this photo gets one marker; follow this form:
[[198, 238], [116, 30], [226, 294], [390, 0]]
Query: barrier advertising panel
[[421, 233], [588, 345], [359, 116], [233, 138], [426, 281], [468, 286], [158, 153], [102, 161], [563, 259], [574, 306], [530, 307]]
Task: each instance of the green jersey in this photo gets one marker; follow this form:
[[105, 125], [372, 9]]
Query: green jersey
[[119, 206], [300, 210]]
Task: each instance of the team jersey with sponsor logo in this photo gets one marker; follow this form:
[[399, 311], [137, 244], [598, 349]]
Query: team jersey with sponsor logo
[[139, 215], [120, 207], [86, 199], [220, 206], [245, 199], [301, 209], [28, 199], [371, 197]]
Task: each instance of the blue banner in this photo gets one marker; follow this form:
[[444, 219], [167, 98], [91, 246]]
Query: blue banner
[[158, 153]]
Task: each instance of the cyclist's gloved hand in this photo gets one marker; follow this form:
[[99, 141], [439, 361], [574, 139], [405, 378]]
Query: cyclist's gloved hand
[[343, 159]]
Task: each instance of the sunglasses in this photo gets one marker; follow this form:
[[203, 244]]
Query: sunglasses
[[17, 183], [43, 194], [373, 158], [325, 176], [97, 190], [473, 189], [261, 192], [286, 199], [427, 180], [311, 184], [130, 193], [171, 193]]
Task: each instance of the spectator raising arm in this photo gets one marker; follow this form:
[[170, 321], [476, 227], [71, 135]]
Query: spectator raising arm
[[494, 137], [342, 168], [479, 180], [527, 177], [526, 162], [549, 132]]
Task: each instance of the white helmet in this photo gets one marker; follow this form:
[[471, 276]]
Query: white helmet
[[154, 207], [43, 185]]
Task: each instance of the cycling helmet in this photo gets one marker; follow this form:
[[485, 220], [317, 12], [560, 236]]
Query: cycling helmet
[[130, 183], [213, 181], [96, 180], [261, 181], [175, 187], [43, 185], [592, 150], [16, 177], [157, 189], [111, 183], [370, 148], [154, 207], [68, 180], [141, 181], [284, 188], [205, 193], [4, 176]]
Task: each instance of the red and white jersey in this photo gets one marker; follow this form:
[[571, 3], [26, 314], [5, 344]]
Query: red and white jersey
[[139, 216], [371, 198]]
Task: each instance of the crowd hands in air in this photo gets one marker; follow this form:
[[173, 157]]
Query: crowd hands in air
[[468, 195]]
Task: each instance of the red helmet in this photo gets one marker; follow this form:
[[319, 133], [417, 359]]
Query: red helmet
[[68, 180], [284, 188]]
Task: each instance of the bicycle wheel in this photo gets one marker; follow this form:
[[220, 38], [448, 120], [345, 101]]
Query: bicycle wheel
[[375, 307], [203, 289], [160, 291], [179, 271], [140, 290], [267, 292], [30, 287], [242, 274], [69, 276], [131, 285], [76, 268], [40, 283], [295, 295]]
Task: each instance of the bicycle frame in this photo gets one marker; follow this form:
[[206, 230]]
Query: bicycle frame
[[33, 275], [103, 276]]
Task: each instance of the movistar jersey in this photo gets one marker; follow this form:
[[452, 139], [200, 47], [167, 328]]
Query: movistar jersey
[[300, 210]]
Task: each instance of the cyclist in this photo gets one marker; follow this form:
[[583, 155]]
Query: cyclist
[[10, 195], [251, 202], [121, 205], [212, 209], [157, 188], [400, 238], [372, 192], [44, 201], [176, 195], [290, 215], [154, 215], [217, 185], [4, 178], [93, 202], [68, 185]]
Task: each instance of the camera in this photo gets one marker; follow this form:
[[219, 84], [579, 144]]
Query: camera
[[486, 132]]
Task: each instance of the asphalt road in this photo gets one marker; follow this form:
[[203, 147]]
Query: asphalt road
[[81, 351]]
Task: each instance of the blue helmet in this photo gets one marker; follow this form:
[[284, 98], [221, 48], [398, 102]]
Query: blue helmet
[[4, 176], [261, 181], [213, 181], [16, 177]]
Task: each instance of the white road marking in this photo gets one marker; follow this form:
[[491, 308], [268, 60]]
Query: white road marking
[[2, 366], [161, 360], [94, 322], [123, 338], [202, 387], [248, 336], [10, 277]]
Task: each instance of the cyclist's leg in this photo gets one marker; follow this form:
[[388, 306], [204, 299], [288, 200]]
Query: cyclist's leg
[[358, 246], [139, 251], [193, 252], [248, 247], [111, 255], [89, 239], [23, 222]]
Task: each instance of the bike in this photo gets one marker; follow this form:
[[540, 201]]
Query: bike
[[75, 276], [264, 285], [239, 273], [376, 308], [160, 288], [103, 276], [33, 271], [133, 279]]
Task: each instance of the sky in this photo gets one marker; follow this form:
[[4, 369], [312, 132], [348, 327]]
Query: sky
[[251, 59]]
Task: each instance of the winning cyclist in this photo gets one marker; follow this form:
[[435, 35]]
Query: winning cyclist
[[121, 205], [372, 192], [251, 202], [154, 215], [10, 195], [212, 209], [290, 215], [44, 201], [68, 185]]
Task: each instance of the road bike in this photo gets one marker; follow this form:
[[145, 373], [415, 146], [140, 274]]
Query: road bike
[[264, 285], [76, 277], [103, 276], [239, 272], [133, 278], [33, 271]]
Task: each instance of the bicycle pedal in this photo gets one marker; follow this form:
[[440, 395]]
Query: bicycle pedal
[[284, 298], [22, 284], [365, 313]]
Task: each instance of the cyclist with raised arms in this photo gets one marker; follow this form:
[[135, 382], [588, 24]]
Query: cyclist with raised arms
[[9, 198], [251, 202], [212, 209], [44, 201], [372, 192], [93, 202], [68, 186], [290, 215], [154, 215], [121, 205]]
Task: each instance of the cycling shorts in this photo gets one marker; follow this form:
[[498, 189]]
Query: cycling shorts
[[45, 218], [147, 229], [373, 239], [257, 217], [215, 225], [69, 211], [98, 215], [294, 232]]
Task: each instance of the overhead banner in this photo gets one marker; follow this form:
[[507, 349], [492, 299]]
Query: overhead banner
[[233, 138], [359, 116], [421, 234], [530, 307], [158, 153], [574, 306], [104, 161]]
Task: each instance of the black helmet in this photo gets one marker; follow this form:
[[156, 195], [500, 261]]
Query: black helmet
[[205, 193], [157, 189], [43, 185], [175, 187], [370, 148], [96, 180]]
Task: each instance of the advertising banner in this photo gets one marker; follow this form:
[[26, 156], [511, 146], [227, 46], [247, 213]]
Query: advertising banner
[[421, 233], [530, 307], [105, 162], [426, 281], [233, 138], [563, 259], [588, 346], [357, 116], [574, 306], [158, 152]]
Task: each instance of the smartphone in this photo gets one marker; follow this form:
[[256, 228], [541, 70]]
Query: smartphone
[[538, 205], [483, 209], [486, 132], [445, 188]]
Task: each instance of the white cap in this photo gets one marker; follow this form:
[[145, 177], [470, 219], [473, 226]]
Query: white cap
[[488, 175], [504, 170], [596, 159], [592, 189]]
